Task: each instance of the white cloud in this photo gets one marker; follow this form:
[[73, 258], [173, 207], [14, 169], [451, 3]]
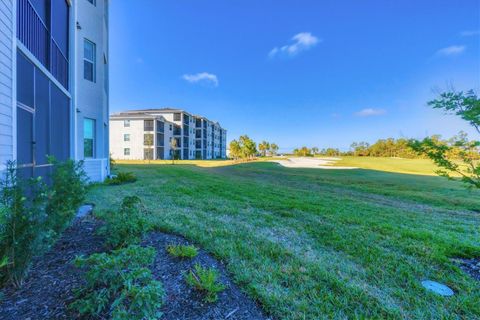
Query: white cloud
[[203, 77], [368, 112], [451, 51], [469, 33], [301, 42]]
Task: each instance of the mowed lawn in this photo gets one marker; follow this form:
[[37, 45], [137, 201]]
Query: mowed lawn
[[313, 244]]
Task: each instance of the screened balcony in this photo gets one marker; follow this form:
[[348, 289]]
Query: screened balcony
[[42, 27]]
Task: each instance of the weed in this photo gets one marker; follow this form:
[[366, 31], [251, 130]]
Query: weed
[[205, 280], [69, 186], [182, 251], [121, 284], [127, 225], [121, 178], [22, 217]]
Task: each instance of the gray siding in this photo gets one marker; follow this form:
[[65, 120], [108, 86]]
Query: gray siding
[[6, 80]]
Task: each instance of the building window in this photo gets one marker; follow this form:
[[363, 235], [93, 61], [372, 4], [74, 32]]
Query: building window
[[170, 127], [89, 53], [126, 123], [126, 151], [88, 138], [148, 125], [177, 116], [148, 139], [94, 2], [126, 137]]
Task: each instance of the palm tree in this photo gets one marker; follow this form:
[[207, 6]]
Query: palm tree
[[273, 149], [264, 146]]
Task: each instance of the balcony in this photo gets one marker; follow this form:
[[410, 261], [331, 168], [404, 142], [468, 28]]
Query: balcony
[[34, 34]]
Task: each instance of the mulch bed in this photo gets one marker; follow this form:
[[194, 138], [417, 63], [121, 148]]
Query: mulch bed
[[48, 288], [471, 266], [182, 302]]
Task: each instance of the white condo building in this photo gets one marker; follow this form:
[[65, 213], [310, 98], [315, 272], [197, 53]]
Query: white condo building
[[54, 84], [147, 135]]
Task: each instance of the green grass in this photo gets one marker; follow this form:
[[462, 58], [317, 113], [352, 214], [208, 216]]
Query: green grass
[[398, 165], [313, 244]]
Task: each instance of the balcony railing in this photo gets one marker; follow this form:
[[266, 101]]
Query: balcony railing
[[59, 64], [36, 37]]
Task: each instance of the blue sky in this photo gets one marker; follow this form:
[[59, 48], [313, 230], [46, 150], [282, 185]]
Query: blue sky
[[314, 73]]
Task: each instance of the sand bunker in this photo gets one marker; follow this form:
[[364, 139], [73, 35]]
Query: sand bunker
[[316, 163]]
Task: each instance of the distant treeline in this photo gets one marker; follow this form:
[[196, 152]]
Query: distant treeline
[[385, 148]]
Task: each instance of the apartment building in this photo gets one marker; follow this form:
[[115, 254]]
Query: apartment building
[[54, 84], [147, 135]]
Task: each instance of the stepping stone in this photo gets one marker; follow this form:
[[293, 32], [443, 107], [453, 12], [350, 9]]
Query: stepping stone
[[84, 210], [438, 288]]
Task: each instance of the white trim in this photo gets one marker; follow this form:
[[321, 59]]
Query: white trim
[[73, 82], [14, 80], [40, 66]]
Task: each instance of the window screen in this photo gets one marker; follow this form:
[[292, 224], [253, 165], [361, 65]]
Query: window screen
[[24, 137], [42, 106], [59, 124], [25, 70]]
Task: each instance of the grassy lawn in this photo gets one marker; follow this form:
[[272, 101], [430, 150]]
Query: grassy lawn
[[398, 165], [310, 243]]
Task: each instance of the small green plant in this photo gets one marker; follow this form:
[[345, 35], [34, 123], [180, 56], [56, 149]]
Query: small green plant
[[182, 251], [206, 281], [127, 225], [69, 187], [120, 284], [22, 229], [121, 178]]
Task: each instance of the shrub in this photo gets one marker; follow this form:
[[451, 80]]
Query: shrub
[[121, 178], [181, 251], [205, 280], [120, 284], [69, 187], [22, 229], [127, 225]]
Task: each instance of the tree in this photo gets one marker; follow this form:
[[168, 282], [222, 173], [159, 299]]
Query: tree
[[248, 147], [173, 149], [302, 152], [273, 149], [360, 149], [264, 146], [467, 163], [315, 150], [465, 105], [235, 149]]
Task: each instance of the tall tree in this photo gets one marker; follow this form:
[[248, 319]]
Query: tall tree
[[173, 149], [235, 150], [248, 147], [263, 147], [315, 150], [273, 149], [467, 163]]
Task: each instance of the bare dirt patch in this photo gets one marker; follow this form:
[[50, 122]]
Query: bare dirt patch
[[470, 266]]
